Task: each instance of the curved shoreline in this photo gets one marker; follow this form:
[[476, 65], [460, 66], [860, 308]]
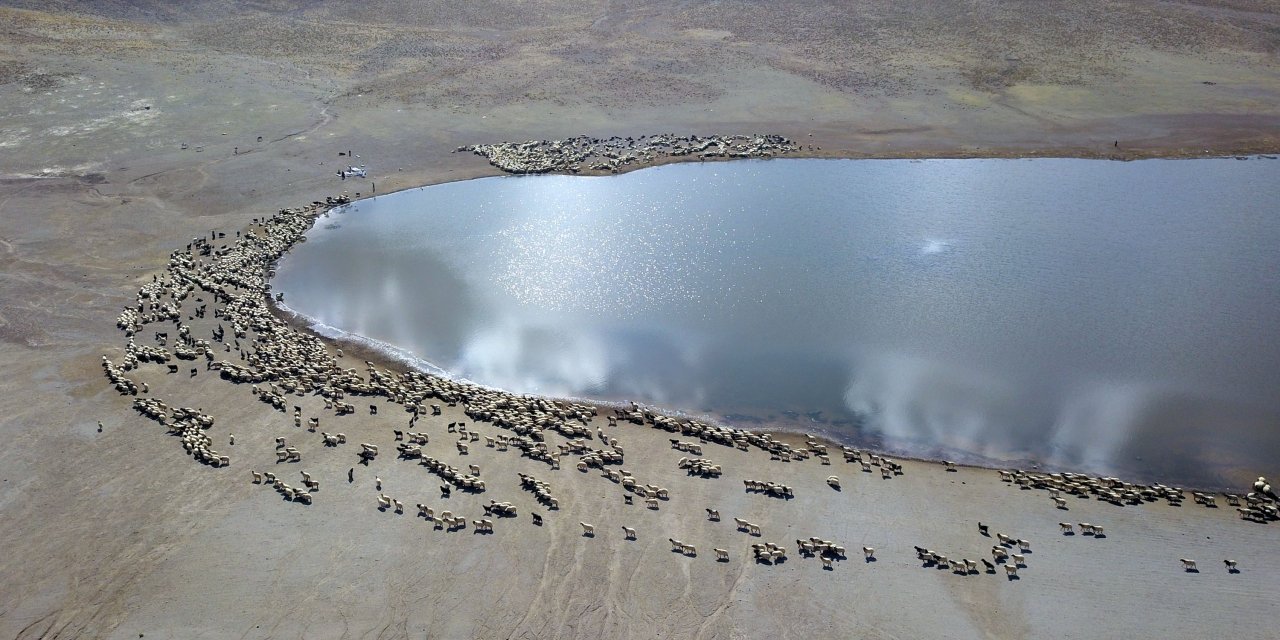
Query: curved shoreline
[[383, 353]]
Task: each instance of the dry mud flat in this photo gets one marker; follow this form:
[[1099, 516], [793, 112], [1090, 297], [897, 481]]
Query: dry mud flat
[[118, 532]]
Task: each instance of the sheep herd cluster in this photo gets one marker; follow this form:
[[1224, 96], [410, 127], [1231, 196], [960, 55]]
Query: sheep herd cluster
[[251, 345], [611, 154], [1001, 556], [1259, 505]]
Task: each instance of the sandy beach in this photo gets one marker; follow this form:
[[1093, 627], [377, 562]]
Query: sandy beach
[[130, 129]]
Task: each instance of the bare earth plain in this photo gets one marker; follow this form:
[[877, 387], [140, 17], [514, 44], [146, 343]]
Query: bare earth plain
[[127, 128]]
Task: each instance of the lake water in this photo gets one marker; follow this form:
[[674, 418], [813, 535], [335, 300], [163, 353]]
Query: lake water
[[1105, 316]]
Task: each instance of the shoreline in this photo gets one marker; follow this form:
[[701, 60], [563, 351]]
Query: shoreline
[[384, 354]]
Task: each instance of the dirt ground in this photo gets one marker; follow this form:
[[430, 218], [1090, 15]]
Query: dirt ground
[[128, 128]]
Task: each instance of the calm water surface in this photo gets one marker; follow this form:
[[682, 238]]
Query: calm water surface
[[1117, 317]]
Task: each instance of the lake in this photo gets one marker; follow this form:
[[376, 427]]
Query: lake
[[1116, 317]]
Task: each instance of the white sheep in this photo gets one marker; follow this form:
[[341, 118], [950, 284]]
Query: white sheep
[[1024, 545], [676, 545], [629, 532], [257, 477], [384, 501], [1011, 570], [588, 530], [722, 555], [1066, 527], [1019, 559], [474, 468], [834, 481], [868, 552], [399, 506], [1189, 565], [742, 524], [1059, 502], [753, 529]]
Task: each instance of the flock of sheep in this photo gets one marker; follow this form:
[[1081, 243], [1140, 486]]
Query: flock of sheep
[[611, 154], [251, 345]]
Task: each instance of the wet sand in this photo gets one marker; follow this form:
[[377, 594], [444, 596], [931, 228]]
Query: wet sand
[[120, 533]]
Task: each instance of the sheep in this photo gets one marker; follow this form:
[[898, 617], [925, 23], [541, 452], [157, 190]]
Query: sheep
[[377, 482], [1060, 503], [722, 555], [537, 520], [834, 482], [1024, 545], [474, 469], [676, 545], [463, 449], [742, 524], [629, 533], [399, 506], [303, 497], [1086, 528], [1066, 527], [384, 502], [1011, 570], [651, 503], [1019, 559], [982, 528], [424, 511], [257, 477], [1097, 532], [949, 465], [1006, 540], [753, 530], [869, 553], [1188, 565], [588, 530], [689, 550], [1231, 566], [826, 562], [713, 514], [990, 567]]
